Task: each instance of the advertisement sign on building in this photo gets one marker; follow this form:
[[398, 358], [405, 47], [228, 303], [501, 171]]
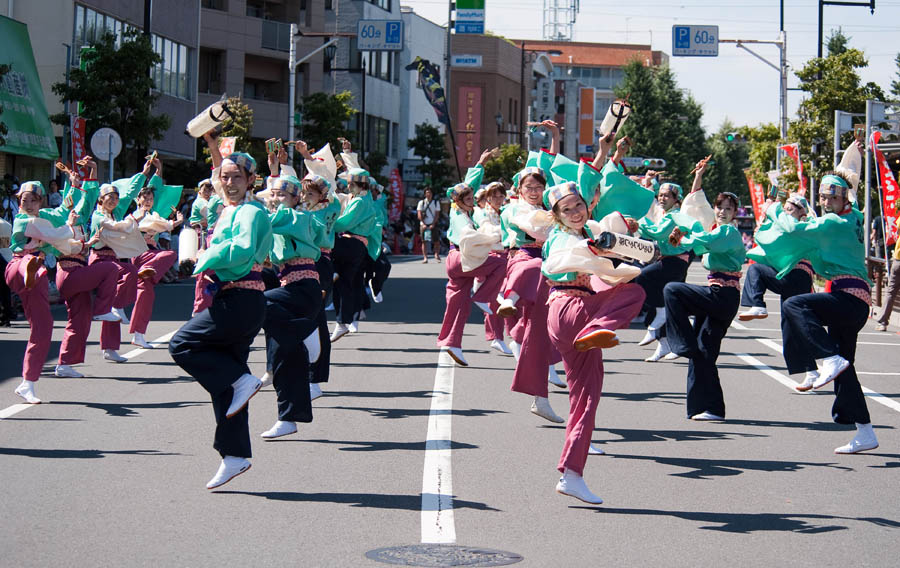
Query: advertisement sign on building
[[379, 35], [470, 16], [586, 121], [465, 61], [468, 137]]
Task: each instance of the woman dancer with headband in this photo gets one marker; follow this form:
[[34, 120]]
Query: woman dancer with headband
[[673, 266], [530, 224], [119, 241], [292, 310], [469, 258], [151, 265], [356, 223], [582, 322], [713, 306], [763, 276], [36, 232], [834, 245], [76, 280], [489, 202], [213, 346]]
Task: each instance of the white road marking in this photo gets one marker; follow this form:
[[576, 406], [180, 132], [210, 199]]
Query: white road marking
[[159, 341], [437, 481], [878, 374], [786, 381]]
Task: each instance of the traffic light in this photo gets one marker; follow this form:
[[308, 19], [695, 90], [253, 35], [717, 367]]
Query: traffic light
[[655, 163], [734, 138]]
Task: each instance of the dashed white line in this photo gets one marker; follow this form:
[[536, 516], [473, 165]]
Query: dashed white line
[[437, 482], [786, 381]]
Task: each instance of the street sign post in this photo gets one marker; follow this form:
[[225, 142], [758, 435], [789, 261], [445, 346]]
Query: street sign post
[[106, 145], [379, 35], [695, 41]]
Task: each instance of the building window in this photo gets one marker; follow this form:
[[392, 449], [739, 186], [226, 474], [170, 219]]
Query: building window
[[395, 140], [385, 4], [173, 74], [381, 65], [210, 79], [215, 5], [377, 133], [264, 90]]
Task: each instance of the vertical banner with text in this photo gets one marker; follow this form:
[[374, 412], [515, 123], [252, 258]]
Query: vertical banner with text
[[468, 138], [396, 188], [586, 122], [78, 127], [757, 196], [889, 189], [793, 150]]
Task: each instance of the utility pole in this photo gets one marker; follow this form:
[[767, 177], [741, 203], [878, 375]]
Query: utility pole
[[822, 3]]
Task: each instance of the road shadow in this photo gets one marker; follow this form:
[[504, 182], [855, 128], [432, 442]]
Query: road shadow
[[366, 500], [700, 468], [140, 380], [367, 394], [395, 413], [746, 523], [676, 398], [115, 409], [360, 446], [812, 426], [78, 454], [632, 435]]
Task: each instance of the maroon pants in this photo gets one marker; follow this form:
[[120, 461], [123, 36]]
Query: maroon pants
[[75, 284]]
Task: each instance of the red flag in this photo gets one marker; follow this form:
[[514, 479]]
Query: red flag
[[396, 188], [793, 150], [757, 196], [890, 191], [79, 147]]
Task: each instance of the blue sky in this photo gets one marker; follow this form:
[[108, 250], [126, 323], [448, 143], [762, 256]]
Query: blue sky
[[735, 84]]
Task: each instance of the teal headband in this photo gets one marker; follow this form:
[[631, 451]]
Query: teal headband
[[674, 188], [288, 184], [457, 191], [832, 185], [552, 195], [31, 187], [245, 161]]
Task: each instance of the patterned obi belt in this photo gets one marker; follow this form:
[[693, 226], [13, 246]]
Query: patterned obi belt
[[724, 279], [580, 287], [326, 253], [531, 250], [25, 253], [360, 238], [251, 281], [71, 262], [852, 285], [106, 253], [297, 269], [806, 267]]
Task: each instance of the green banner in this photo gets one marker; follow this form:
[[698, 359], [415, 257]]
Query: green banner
[[21, 97]]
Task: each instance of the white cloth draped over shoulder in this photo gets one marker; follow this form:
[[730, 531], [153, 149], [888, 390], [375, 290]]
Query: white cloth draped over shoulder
[[612, 223], [66, 239], [697, 207], [123, 237], [152, 223], [475, 245], [573, 255], [536, 222]]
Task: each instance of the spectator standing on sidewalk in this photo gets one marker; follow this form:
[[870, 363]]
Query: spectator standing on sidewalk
[[429, 212]]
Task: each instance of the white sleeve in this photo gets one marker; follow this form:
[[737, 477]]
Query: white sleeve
[[697, 207], [43, 230], [577, 257], [537, 223], [474, 247]]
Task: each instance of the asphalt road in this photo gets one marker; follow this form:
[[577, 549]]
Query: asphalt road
[[111, 470]]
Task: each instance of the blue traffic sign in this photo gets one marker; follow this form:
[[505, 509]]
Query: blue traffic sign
[[379, 35], [695, 41]]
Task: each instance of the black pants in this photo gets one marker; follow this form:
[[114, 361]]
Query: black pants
[[291, 315], [654, 277], [805, 337], [348, 258], [713, 308], [213, 347], [270, 278], [377, 272], [760, 278], [318, 372]]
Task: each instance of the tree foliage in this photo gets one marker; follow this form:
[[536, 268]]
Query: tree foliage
[[4, 69], [325, 117], [510, 161], [665, 122], [429, 145], [831, 83], [895, 84], [115, 91], [837, 42], [762, 146]]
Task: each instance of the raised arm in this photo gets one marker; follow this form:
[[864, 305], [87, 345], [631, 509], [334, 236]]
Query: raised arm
[[213, 146]]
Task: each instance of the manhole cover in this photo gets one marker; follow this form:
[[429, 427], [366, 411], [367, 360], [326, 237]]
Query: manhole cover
[[442, 555]]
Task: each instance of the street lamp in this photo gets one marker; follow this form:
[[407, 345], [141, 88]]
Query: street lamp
[[292, 81]]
